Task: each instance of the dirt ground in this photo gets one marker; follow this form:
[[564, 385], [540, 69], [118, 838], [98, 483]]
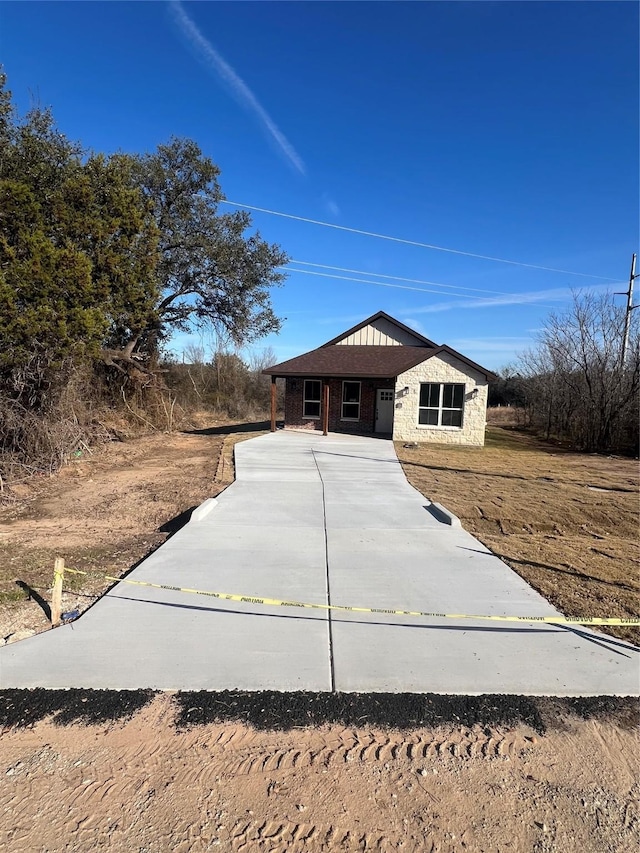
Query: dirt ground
[[148, 786], [102, 514], [176, 776]]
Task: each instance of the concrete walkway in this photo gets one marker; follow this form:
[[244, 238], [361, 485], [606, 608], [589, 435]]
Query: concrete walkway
[[322, 519]]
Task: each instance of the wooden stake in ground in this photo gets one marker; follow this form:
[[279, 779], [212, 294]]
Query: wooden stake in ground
[[56, 596]]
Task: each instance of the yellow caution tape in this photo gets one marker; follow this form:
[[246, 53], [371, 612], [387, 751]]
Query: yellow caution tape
[[61, 572], [277, 602]]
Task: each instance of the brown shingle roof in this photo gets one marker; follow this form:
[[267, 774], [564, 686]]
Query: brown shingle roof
[[368, 362]]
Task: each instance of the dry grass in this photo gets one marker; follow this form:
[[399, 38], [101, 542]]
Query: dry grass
[[103, 513], [566, 522], [505, 416]]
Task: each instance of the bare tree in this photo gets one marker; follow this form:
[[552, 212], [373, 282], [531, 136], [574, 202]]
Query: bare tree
[[195, 354], [577, 388]]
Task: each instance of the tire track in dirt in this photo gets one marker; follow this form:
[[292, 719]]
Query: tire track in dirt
[[289, 837], [286, 836], [108, 789], [238, 751], [144, 785], [374, 747]]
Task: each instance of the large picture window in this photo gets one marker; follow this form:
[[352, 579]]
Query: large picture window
[[441, 404], [312, 396], [350, 401]]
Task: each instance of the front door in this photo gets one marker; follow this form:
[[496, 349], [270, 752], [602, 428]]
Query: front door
[[384, 410]]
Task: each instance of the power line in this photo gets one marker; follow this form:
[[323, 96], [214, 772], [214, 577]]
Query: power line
[[411, 242], [396, 286], [397, 277]]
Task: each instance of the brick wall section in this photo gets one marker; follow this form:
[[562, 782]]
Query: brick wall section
[[293, 406], [443, 368]]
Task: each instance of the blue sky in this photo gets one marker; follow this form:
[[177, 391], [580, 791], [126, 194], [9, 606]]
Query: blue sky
[[507, 130]]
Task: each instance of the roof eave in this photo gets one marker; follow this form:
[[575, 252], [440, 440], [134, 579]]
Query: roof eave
[[489, 374], [334, 374]]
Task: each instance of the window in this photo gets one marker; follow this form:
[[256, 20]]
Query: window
[[441, 404], [350, 401], [311, 401]]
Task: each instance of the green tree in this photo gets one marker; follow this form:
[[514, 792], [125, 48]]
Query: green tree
[[114, 227], [210, 273], [78, 248], [47, 304], [108, 256]]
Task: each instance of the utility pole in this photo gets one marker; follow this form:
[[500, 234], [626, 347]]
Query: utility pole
[[629, 309]]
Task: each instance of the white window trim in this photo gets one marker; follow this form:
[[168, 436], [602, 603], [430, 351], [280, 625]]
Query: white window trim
[[359, 403], [440, 409], [306, 400]]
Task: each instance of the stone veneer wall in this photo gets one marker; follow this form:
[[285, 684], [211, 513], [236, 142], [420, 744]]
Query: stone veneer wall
[[442, 368]]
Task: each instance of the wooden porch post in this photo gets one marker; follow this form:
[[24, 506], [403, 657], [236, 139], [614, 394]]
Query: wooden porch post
[[325, 406], [273, 404]]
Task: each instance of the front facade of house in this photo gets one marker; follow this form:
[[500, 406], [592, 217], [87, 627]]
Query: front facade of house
[[380, 377]]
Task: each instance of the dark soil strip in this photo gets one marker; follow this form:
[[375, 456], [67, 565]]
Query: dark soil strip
[[20, 708], [270, 710], [624, 711]]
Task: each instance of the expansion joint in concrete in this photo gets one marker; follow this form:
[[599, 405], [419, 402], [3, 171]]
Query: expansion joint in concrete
[[327, 579]]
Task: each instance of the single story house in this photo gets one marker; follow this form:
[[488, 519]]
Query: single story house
[[381, 377]]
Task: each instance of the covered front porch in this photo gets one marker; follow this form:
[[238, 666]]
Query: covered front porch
[[353, 405]]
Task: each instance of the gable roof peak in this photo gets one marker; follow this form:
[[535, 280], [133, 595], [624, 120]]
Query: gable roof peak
[[380, 315]]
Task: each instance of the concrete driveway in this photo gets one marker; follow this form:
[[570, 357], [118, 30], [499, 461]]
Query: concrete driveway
[[327, 520]]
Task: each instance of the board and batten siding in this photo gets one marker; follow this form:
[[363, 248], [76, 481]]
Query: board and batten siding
[[442, 368], [381, 333]]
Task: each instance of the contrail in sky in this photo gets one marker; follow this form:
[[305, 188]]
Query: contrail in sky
[[242, 93]]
